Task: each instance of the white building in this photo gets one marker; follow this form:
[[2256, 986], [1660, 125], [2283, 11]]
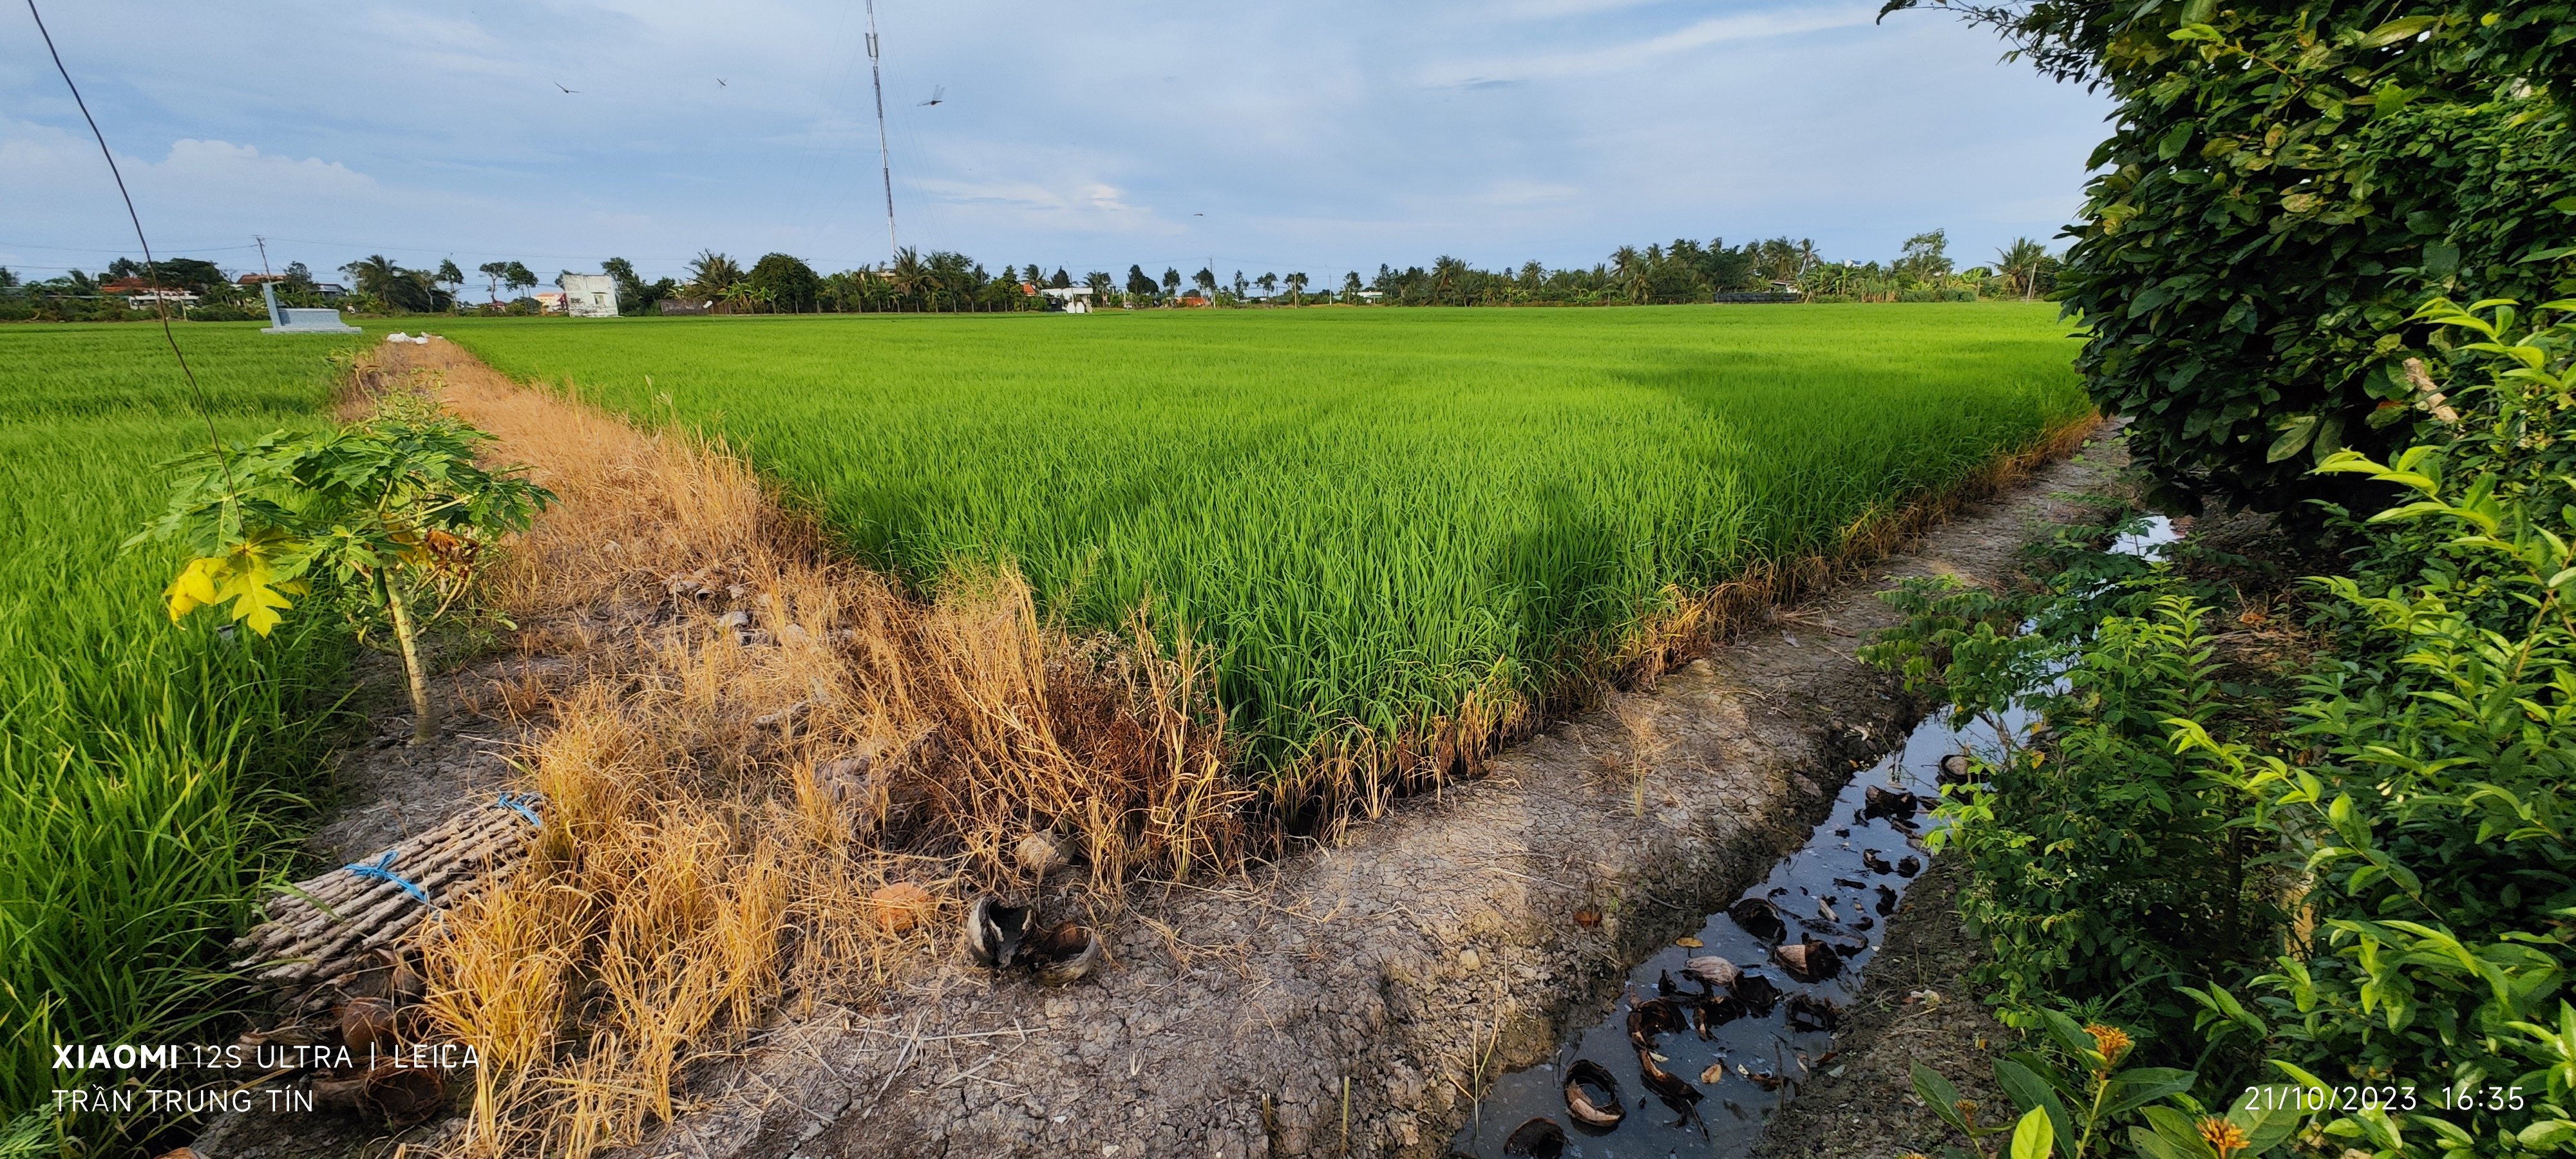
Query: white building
[[588, 295], [1072, 300]]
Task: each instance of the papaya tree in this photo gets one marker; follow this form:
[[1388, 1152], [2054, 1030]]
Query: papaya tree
[[387, 517]]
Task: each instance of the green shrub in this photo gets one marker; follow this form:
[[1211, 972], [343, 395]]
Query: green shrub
[[2407, 803], [2285, 183]]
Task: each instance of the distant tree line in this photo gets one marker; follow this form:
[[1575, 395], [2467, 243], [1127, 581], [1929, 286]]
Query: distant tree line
[[946, 282], [1683, 271]]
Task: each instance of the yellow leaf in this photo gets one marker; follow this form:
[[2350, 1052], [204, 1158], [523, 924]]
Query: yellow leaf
[[1689, 943], [242, 577], [194, 588]]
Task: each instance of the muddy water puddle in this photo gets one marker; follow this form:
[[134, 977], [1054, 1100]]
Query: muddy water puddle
[[1800, 940], [1727, 1054]]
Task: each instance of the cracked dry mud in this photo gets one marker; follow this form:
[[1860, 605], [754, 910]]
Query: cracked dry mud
[[1353, 1000]]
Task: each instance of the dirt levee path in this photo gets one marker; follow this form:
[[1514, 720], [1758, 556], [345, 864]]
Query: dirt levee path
[[1353, 1000]]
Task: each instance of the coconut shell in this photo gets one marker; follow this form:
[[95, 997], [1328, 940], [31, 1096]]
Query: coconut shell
[[1757, 993], [1652, 1019], [1808, 960], [1535, 1139], [366, 1026], [405, 1095], [1813, 1015], [1592, 1096], [1715, 1011], [1063, 955], [1893, 804], [1759, 918], [993, 931], [1671, 1089]]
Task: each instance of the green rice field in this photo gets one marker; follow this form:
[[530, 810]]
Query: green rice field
[[144, 766], [1372, 514]]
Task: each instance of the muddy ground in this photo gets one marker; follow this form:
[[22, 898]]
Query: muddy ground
[[1353, 1000]]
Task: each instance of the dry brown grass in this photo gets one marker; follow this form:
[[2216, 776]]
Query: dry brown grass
[[760, 737]]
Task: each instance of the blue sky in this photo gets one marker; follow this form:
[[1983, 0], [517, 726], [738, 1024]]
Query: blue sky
[[1322, 136]]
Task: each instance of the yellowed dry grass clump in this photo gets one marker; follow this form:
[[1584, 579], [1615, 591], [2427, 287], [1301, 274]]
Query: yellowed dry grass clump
[[761, 738]]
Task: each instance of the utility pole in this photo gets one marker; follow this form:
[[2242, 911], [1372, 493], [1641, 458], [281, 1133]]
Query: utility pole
[[263, 253], [885, 159]]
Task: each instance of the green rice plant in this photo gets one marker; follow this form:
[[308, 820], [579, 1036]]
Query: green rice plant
[[149, 773], [1386, 522]]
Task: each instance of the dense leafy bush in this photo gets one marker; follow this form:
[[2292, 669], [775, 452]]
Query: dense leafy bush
[[2285, 183], [2372, 885]]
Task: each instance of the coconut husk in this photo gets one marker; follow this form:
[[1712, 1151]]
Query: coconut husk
[[1813, 1015], [1671, 1089], [993, 932], [1759, 918], [1652, 1019], [1592, 1096], [1807, 959], [1892, 804], [1063, 955], [1535, 1139]]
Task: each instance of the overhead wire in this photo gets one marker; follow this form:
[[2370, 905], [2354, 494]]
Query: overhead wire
[[205, 410]]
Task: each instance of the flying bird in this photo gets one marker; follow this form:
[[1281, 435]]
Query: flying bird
[[720, 83], [938, 95], [559, 84]]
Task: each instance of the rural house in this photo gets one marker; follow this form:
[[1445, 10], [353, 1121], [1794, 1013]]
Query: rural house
[[588, 295]]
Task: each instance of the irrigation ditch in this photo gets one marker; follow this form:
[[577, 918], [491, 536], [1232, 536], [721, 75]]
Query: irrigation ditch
[[1390, 995]]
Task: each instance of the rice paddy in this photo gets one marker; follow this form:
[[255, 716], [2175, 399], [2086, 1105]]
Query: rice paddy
[[1384, 521], [144, 767]]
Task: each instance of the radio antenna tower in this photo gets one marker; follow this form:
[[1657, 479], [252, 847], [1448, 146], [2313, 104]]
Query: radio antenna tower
[[885, 160]]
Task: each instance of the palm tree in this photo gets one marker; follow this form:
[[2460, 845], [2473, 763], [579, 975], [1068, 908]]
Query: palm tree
[[1629, 267], [950, 274], [1446, 274], [908, 276], [375, 276], [711, 274], [1296, 289], [2019, 263]]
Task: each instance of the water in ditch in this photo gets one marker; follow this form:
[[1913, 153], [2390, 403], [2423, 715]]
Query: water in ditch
[[1840, 889]]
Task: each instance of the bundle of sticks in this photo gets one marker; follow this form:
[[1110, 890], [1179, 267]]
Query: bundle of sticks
[[328, 928]]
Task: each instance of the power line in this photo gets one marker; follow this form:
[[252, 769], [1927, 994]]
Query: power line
[[150, 268]]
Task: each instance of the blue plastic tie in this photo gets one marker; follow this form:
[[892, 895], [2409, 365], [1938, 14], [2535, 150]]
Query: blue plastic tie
[[520, 805], [382, 869]]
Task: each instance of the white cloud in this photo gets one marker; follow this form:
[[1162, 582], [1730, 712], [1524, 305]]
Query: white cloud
[[1708, 33]]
